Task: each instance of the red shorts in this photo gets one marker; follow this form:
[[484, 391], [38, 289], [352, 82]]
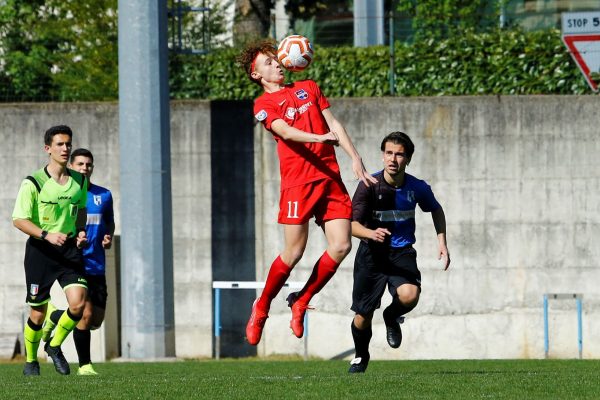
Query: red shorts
[[325, 199]]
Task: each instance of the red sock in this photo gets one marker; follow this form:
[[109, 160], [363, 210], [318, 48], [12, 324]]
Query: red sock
[[278, 274], [322, 272]]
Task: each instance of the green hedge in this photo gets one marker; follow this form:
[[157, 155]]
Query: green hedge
[[501, 62]]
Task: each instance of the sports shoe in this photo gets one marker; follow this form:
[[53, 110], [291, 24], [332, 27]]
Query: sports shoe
[[393, 333], [358, 365], [255, 324], [31, 368], [298, 310], [48, 325], [60, 363], [86, 369]]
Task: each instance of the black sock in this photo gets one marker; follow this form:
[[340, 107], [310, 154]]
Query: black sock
[[395, 310], [33, 326], [82, 344], [362, 338], [55, 316]]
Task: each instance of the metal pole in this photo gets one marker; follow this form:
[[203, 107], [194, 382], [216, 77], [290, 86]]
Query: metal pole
[[392, 56], [306, 337], [147, 306], [179, 25], [172, 16], [546, 340], [217, 323], [579, 327]]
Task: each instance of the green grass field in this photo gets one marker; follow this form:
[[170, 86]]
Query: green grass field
[[267, 379]]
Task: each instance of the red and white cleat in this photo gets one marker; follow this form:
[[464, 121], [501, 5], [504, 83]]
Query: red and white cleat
[[256, 323], [298, 310]]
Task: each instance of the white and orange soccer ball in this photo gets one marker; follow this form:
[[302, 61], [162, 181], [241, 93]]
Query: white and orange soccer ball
[[295, 53]]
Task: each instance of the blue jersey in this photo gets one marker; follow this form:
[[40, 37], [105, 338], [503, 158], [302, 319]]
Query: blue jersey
[[383, 206], [99, 217]]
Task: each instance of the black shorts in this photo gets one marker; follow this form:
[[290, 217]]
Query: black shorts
[[377, 266], [97, 292], [46, 263]]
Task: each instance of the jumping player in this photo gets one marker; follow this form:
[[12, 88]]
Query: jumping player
[[383, 217], [50, 208], [100, 228], [300, 120]]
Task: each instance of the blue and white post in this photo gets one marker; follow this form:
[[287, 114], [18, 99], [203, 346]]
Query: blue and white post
[[564, 296]]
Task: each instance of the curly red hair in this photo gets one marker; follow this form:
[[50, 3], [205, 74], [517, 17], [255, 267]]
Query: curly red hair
[[248, 54]]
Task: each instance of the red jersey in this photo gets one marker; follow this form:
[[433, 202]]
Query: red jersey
[[300, 104]]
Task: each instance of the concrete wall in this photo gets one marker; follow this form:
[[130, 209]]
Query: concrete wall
[[517, 177], [95, 127]]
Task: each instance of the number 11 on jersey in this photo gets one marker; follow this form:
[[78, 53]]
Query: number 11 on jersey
[[292, 209]]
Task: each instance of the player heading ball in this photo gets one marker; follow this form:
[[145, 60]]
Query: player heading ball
[[298, 117]]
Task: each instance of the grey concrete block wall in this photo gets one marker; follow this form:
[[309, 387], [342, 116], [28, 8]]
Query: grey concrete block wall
[[192, 257], [518, 178], [23, 125], [95, 127]]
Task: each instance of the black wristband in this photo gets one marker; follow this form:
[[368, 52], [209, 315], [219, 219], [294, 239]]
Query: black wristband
[[43, 235]]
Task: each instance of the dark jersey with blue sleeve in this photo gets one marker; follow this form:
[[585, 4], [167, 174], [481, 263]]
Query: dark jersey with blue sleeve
[[99, 216], [383, 206]]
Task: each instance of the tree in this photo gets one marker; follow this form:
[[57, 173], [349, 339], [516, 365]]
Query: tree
[[252, 20], [24, 67], [59, 49], [66, 50], [204, 29]]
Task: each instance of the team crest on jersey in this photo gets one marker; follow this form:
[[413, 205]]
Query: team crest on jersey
[[290, 112], [261, 115], [302, 94], [33, 289], [97, 200], [410, 195]]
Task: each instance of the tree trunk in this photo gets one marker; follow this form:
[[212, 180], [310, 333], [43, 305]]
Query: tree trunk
[[252, 20]]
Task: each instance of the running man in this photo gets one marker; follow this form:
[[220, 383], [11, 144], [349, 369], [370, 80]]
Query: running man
[[383, 217], [50, 208], [99, 229], [301, 122]]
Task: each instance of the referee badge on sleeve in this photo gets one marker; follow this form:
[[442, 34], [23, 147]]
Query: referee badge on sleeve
[[33, 289]]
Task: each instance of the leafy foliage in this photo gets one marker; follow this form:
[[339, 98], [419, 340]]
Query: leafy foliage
[[59, 49], [498, 62], [446, 18], [66, 50]]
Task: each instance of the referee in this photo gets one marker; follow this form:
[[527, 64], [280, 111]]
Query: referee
[[383, 217], [50, 208]]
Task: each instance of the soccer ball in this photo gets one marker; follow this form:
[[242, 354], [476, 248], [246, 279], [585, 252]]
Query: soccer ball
[[295, 53]]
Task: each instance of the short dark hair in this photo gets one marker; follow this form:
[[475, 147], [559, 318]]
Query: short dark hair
[[400, 138], [81, 153], [55, 130]]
